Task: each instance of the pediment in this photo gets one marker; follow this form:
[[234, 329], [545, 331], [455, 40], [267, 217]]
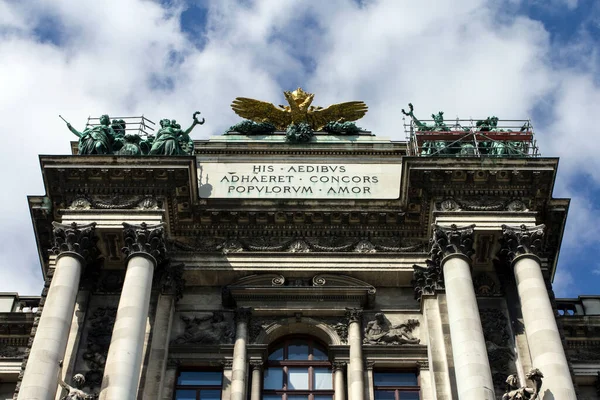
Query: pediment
[[272, 289]]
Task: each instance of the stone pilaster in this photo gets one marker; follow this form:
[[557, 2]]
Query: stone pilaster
[[452, 247], [338, 380], [145, 249], [239, 370], [356, 366], [74, 246], [521, 247]]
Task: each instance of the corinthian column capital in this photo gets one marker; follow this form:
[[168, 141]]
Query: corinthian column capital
[[77, 240], [451, 239], [354, 314], [144, 240], [520, 240]]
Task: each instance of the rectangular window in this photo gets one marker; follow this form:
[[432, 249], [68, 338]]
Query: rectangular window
[[394, 385], [199, 385]]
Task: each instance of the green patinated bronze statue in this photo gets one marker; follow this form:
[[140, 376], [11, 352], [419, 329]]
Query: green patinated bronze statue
[[97, 139], [171, 140], [112, 138]]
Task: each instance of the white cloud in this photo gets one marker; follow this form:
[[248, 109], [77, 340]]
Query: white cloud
[[467, 57]]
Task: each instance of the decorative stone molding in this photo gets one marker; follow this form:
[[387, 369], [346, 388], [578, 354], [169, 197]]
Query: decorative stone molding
[[423, 365], [115, 201], [354, 314], [227, 364], [8, 351], [144, 239], [521, 240], [299, 245], [211, 329], [74, 238], [481, 203], [452, 240], [381, 332]]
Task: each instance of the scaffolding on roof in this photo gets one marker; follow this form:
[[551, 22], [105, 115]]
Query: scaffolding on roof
[[489, 137], [141, 125]]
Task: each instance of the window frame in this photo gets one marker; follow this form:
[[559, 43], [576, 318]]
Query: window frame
[[397, 388], [197, 388], [310, 364]]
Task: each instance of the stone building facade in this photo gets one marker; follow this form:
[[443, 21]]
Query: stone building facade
[[343, 268]]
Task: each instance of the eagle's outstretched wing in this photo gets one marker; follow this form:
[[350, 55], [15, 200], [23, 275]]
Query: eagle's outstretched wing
[[261, 111], [349, 111]]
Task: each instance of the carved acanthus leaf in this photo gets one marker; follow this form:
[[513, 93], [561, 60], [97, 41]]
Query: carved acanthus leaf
[[143, 238], [452, 240], [80, 239], [521, 240]]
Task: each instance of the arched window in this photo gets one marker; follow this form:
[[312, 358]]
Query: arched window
[[298, 369]]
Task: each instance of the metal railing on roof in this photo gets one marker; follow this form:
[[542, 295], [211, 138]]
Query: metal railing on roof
[[488, 137], [141, 125]]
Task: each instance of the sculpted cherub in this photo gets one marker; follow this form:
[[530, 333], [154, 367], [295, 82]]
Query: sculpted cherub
[[74, 393]]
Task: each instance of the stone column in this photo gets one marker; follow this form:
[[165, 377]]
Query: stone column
[[145, 249], [257, 369], [453, 248], [356, 369], [338, 380], [239, 368], [74, 246], [521, 246]]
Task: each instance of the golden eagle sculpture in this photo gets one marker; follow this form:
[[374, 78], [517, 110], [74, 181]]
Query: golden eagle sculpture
[[298, 111]]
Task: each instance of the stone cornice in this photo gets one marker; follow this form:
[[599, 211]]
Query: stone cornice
[[144, 240], [74, 239]]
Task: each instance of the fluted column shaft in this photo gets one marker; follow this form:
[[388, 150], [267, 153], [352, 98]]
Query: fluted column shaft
[[257, 376], [239, 369], [73, 245], [144, 244], [521, 246], [453, 248], [356, 369]]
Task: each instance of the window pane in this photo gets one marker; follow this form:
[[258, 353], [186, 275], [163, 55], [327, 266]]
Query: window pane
[[200, 378], [210, 395], [298, 378], [272, 397], [274, 378], [409, 395], [395, 379], [323, 378], [323, 397], [185, 395], [319, 354], [298, 397], [276, 354], [384, 395], [298, 350]]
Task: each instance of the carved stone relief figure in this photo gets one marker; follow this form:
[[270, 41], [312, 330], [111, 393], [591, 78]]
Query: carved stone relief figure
[[381, 331], [498, 344], [74, 393], [209, 329], [514, 392], [98, 340]]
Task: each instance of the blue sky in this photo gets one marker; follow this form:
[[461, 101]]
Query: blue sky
[[470, 58]]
